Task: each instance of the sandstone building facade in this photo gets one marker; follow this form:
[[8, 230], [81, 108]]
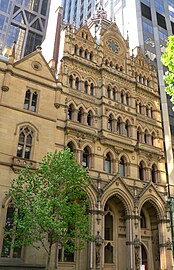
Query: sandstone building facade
[[105, 107]]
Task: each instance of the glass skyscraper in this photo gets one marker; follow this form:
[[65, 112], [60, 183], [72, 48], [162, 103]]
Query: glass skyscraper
[[25, 22]]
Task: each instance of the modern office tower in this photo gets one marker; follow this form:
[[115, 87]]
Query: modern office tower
[[25, 22]]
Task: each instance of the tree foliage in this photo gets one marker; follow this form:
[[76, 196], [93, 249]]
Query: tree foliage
[[51, 204], [168, 60]]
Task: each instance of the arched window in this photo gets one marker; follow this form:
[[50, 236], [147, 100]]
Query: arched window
[[91, 56], [147, 111], [70, 112], [127, 128], [109, 253], [110, 122], [85, 158], [153, 138], [91, 89], [77, 83], [89, 118], [80, 115], [70, 145], [139, 135], [86, 87], [80, 52], [142, 220], [7, 249], [25, 143], [86, 54], [108, 92], [108, 163], [127, 99], [122, 167], [70, 81], [122, 98], [140, 108], [75, 49], [108, 227], [114, 95], [154, 172], [141, 171], [137, 107], [30, 102], [146, 136], [118, 125]]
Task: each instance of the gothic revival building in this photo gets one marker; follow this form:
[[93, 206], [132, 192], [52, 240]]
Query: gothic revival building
[[105, 107]]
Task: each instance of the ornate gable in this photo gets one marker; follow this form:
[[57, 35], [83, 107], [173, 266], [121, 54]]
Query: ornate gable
[[85, 34]]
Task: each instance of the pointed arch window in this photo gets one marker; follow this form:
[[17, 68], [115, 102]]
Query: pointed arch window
[[25, 143], [122, 97], [75, 49], [114, 95], [91, 89], [110, 122], [80, 52], [30, 102], [70, 112], [122, 167], [8, 251], [71, 81], [77, 83], [70, 145], [141, 171], [140, 108], [154, 172], [153, 139], [127, 128], [139, 135], [86, 157], [91, 56], [108, 226], [108, 163], [86, 54], [89, 118], [118, 125], [146, 136], [108, 92], [86, 87], [80, 115], [127, 99]]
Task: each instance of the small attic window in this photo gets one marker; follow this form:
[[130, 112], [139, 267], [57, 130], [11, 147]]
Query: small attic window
[[82, 34], [86, 36]]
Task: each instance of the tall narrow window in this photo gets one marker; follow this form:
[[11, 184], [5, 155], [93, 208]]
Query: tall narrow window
[[118, 125], [127, 128], [122, 167], [108, 226], [110, 122], [139, 135], [77, 83], [80, 115], [141, 171], [25, 143], [108, 163], [146, 136], [86, 87], [85, 158], [109, 92], [153, 139], [71, 81], [30, 102], [127, 99], [114, 95], [122, 97], [89, 118], [7, 249], [70, 112], [92, 89], [142, 220], [154, 173]]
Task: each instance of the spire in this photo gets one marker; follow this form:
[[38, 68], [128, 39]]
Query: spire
[[12, 54], [57, 39]]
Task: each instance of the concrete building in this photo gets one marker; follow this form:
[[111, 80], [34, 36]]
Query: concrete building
[[105, 106], [23, 21]]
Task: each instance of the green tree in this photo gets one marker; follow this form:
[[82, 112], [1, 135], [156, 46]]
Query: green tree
[[51, 204], [168, 60]]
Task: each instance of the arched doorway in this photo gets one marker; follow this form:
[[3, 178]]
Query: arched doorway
[[115, 234], [149, 236]]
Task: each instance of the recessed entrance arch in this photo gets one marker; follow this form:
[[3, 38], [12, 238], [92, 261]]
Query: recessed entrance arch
[[150, 252]]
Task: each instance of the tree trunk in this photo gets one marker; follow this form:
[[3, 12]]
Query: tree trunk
[[49, 257]]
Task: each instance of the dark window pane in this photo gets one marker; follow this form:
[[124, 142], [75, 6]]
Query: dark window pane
[[27, 152], [34, 102], [6, 247], [29, 139], [32, 41], [21, 137], [145, 11], [44, 7], [27, 100], [161, 20], [2, 19], [19, 150]]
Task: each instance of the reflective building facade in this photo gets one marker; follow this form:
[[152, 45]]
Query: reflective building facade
[[25, 22]]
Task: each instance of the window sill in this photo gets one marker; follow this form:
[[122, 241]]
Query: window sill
[[19, 163]]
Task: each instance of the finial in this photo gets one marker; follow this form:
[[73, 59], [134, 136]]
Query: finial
[[12, 53], [38, 48]]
